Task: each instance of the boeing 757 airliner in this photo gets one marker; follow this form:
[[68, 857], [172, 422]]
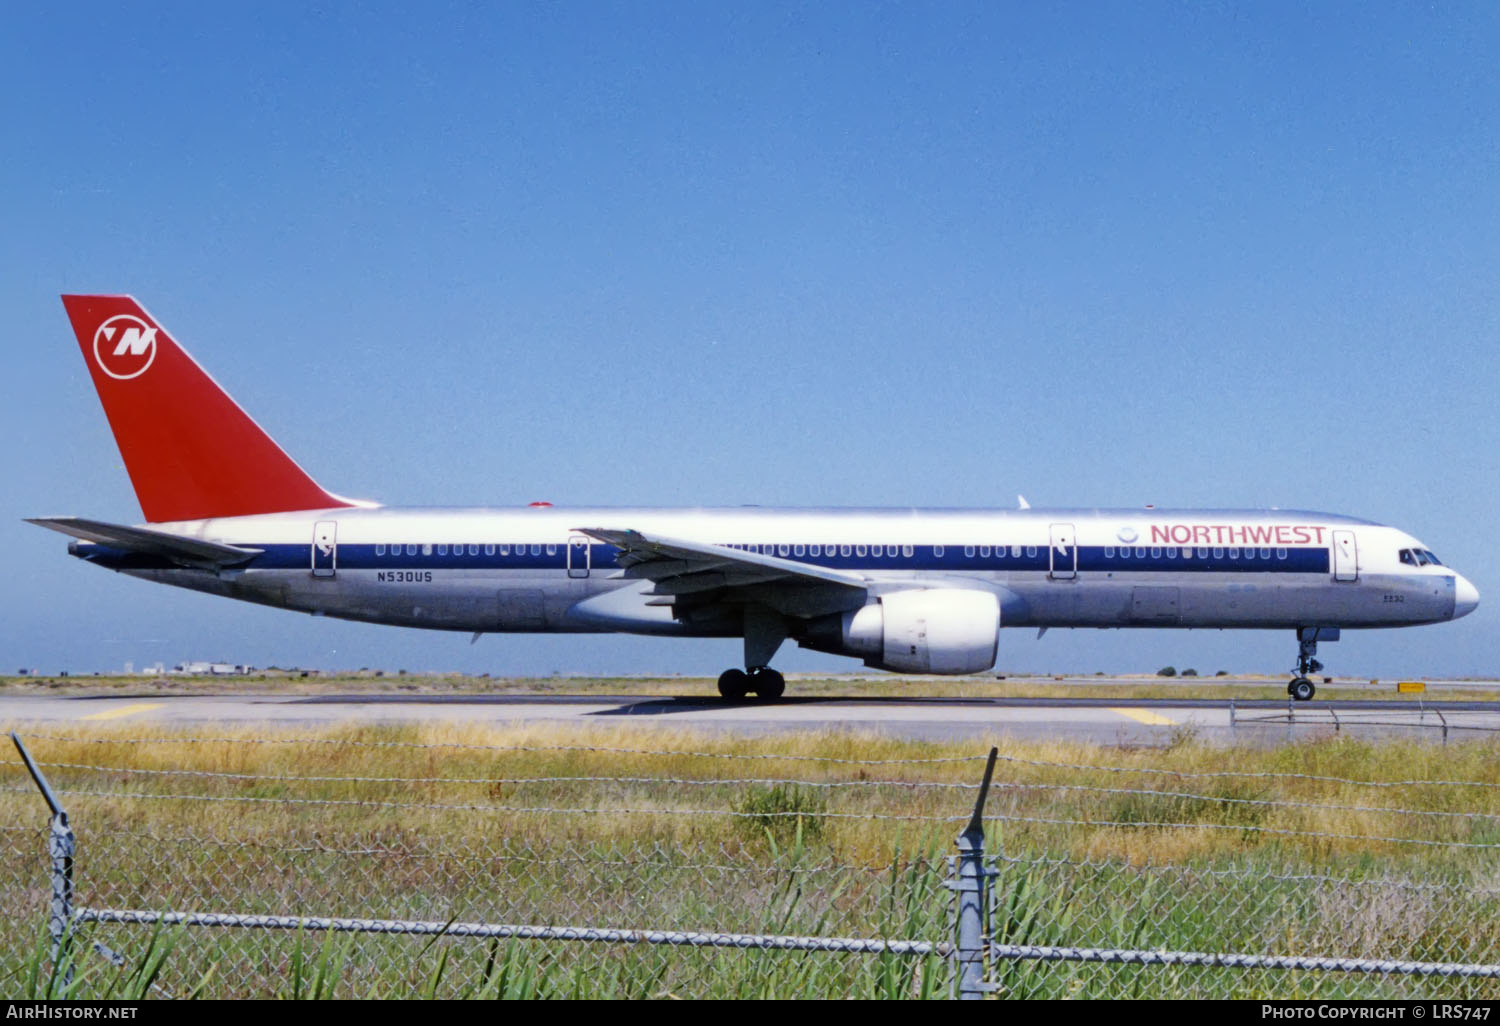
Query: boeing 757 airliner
[[906, 590]]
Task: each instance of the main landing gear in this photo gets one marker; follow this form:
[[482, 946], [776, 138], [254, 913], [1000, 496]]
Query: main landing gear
[[1301, 689], [764, 681]]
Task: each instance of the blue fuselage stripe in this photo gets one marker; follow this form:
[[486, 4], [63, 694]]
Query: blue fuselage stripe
[[1091, 559]]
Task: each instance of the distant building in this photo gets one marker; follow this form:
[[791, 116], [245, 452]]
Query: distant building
[[206, 669]]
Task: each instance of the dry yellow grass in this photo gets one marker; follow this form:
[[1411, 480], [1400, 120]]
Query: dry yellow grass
[[645, 784]]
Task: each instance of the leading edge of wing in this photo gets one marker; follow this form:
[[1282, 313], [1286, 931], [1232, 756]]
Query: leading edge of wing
[[695, 557]]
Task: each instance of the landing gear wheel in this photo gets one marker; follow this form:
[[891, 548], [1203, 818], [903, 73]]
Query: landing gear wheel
[[767, 683], [734, 684], [1301, 688]]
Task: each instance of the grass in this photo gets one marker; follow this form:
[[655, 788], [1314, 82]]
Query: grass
[[1282, 856]]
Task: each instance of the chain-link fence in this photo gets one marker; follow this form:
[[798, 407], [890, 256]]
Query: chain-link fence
[[249, 866]]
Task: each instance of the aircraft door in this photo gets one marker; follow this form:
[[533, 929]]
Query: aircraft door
[[1345, 556], [325, 550], [1064, 552], [578, 556]]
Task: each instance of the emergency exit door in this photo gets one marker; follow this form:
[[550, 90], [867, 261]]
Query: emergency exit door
[[325, 550], [578, 556], [1345, 557], [1064, 564]]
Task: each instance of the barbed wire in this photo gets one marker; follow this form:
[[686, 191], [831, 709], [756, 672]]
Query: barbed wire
[[462, 746], [1286, 803], [689, 781], [1283, 831], [836, 760], [1255, 873], [1239, 774], [490, 855], [540, 810], [776, 781]]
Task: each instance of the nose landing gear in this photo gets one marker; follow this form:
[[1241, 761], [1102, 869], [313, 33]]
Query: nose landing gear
[[1302, 689]]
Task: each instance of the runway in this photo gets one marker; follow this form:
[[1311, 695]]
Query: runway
[[1096, 720]]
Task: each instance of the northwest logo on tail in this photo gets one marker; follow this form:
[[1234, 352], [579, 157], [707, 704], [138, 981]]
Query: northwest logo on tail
[[124, 346]]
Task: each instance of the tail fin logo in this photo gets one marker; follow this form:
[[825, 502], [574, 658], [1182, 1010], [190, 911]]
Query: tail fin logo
[[124, 347]]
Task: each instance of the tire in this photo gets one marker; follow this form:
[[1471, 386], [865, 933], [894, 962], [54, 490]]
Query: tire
[[734, 684], [768, 684], [1302, 689]]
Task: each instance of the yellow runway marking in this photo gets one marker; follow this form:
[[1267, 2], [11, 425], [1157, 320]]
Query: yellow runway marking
[[1146, 716], [124, 710]]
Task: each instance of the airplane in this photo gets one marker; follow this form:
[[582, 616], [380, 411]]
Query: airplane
[[913, 591]]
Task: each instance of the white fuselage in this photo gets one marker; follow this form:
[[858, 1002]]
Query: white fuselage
[[531, 569]]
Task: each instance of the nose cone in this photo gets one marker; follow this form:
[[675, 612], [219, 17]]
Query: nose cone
[[1465, 596]]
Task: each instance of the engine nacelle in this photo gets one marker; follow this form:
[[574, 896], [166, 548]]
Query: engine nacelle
[[930, 630]]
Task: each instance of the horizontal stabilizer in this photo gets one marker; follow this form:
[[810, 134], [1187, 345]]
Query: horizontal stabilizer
[[192, 552]]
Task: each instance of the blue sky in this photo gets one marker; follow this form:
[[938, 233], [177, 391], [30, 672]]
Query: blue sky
[[826, 254]]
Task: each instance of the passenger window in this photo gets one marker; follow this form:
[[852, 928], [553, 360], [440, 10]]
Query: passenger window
[[411, 549], [1218, 552], [969, 551], [1202, 553], [1234, 553], [1109, 552], [551, 550], [799, 550], [843, 550], [859, 550], [937, 552], [473, 550], [536, 550], [1124, 553], [489, 550], [906, 551], [1140, 552], [1015, 552], [1031, 550], [442, 550], [380, 550], [427, 549], [1281, 553], [984, 552], [1265, 553], [815, 550], [1172, 552], [1156, 552], [782, 550], [877, 550]]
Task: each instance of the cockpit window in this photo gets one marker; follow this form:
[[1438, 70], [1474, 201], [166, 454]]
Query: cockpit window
[[1431, 558], [1408, 557], [1419, 557]]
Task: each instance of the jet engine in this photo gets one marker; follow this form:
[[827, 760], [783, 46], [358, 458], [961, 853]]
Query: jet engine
[[929, 630]]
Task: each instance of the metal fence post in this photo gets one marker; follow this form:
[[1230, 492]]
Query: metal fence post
[[60, 846], [971, 904]]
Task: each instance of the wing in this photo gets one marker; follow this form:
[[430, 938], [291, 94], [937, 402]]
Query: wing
[[690, 572], [192, 552]]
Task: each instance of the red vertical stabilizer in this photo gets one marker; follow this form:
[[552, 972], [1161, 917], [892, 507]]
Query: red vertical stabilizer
[[191, 452]]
